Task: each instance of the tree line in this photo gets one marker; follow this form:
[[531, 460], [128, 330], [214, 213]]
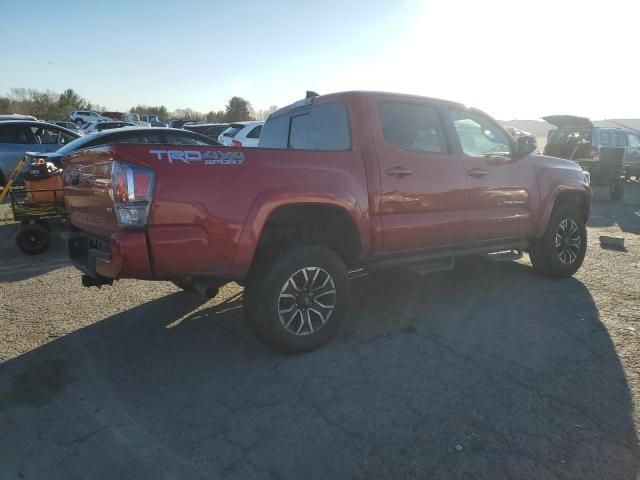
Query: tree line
[[49, 105]]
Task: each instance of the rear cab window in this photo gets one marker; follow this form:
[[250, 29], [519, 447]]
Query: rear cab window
[[323, 127], [275, 132]]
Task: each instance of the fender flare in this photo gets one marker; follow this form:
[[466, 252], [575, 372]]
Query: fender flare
[[547, 207], [269, 201]]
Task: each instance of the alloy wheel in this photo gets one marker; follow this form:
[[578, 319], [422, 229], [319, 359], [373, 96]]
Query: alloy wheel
[[568, 241], [306, 301]]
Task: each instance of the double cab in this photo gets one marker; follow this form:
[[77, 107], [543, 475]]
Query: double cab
[[338, 182]]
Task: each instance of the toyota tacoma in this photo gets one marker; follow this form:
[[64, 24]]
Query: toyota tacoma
[[339, 182]]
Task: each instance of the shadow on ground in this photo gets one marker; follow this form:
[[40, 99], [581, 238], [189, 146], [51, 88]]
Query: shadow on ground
[[625, 213], [488, 371], [16, 265]]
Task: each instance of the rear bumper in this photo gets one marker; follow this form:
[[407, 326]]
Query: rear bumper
[[123, 255]]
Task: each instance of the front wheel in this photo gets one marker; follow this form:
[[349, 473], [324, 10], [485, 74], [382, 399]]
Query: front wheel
[[561, 250], [295, 302]]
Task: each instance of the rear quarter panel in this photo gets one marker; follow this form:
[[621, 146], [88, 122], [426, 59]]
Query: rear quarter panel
[[207, 214]]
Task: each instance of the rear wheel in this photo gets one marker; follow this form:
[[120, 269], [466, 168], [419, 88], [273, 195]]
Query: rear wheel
[[616, 190], [186, 285], [189, 285], [561, 250], [32, 238], [295, 302]]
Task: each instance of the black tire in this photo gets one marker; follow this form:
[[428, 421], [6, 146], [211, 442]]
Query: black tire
[[78, 122], [190, 286], [186, 285], [32, 238], [616, 190], [563, 260], [269, 299]]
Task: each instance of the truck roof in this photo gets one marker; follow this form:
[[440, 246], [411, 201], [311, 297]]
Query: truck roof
[[332, 97]]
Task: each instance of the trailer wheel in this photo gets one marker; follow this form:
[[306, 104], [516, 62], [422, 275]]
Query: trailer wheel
[[616, 190], [32, 238]]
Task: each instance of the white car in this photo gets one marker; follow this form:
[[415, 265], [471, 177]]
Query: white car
[[241, 134], [95, 127], [80, 117]]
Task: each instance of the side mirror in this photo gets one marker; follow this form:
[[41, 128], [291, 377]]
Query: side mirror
[[526, 145]]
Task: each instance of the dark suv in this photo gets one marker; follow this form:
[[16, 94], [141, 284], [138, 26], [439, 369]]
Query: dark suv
[[211, 130], [576, 138]]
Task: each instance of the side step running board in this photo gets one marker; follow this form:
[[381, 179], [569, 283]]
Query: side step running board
[[505, 256], [445, 260], [435, 265]]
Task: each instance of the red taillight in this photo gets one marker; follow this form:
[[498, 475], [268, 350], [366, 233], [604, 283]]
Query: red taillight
[[119, 185], [132, 193], [236, 143], [141, 184]]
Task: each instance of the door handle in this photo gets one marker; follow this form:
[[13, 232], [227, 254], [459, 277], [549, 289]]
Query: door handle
[[399, 172], [476, 173]]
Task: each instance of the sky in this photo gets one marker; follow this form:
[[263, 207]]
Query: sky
[[513, 59]]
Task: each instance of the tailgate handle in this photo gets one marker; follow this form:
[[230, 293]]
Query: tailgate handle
[[399, 172]]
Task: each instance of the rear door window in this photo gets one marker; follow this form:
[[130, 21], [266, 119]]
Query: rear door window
[[51, 136], [324, 127], [412, 126]]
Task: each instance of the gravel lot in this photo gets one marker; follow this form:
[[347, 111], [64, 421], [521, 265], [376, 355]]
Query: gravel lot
[[488, 371]]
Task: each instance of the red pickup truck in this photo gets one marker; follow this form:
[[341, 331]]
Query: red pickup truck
[[339, 182]]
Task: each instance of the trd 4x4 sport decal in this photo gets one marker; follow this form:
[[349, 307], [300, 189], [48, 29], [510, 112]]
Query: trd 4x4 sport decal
[[210, 157]]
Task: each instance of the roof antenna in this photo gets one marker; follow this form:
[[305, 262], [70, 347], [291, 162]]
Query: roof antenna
[[311, 94]]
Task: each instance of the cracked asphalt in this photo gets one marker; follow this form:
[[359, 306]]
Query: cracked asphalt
[[484, 372]]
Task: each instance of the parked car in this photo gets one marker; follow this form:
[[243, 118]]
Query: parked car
[[154, 121], [341, 181], [128, 135], [516, 132], [20, 136], [576, 138], [68, 125], [241, 134], [106, 125], [179, 123], [211, 130], [80, 117], [16, 116]]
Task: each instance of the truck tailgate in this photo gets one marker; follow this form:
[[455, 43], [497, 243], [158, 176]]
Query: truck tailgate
[[88, 191]]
